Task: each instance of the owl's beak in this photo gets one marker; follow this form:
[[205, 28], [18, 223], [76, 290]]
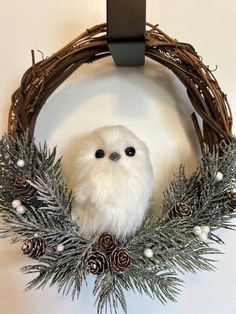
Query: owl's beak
[[115, 156]]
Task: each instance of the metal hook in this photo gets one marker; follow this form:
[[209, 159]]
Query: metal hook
[[126, 21]]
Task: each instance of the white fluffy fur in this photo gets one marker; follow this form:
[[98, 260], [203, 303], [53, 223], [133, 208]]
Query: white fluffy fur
[[112, 196]]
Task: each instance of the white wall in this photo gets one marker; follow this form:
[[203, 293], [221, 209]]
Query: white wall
[[148, 100]]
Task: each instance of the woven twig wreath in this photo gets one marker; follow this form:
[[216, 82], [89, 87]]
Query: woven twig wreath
[[36, 206]]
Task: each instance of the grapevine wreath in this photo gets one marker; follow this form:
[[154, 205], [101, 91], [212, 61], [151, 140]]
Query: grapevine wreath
[[35, 203]]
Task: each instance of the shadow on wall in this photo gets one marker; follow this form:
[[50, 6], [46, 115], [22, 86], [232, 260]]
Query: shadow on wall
[[153, 81]]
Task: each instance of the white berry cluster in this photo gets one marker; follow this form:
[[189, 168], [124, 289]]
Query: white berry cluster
[[202, 232], [18, 206]]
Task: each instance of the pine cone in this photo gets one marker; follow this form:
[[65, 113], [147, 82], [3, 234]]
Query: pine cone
[[34, 247], [24, 188], [106, 243], [97, 263], [231, 201], [120, 260], [180, 210]]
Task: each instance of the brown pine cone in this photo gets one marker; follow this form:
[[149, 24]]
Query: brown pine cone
[[106, 243], [24, 188], [97, 263], [34, 247], [120, 260], [231, 201], [180, 210]]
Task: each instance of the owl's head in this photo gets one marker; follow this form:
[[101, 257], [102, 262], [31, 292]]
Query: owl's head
[[112, 156]]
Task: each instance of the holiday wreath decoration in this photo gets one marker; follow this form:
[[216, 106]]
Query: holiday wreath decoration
[[35, 204]]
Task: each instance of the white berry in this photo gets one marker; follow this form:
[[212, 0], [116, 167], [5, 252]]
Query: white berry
[[16, 203], [203, 237], [197, 230], [20, 163], [219, 176], [36, 235], [60, 248], [205, 229], [233, 190], [148, 253], [21, 209]]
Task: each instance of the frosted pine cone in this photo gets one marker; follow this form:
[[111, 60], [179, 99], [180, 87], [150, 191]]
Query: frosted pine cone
[[34, 247], [180, 210], [231, 201], [106, 243], [24, 188], [97, 263], [120, 260]]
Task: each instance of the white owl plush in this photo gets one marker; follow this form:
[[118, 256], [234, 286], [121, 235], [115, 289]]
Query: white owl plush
[[114, 182]]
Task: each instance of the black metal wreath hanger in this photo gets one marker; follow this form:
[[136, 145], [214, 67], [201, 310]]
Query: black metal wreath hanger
[[126, 21]]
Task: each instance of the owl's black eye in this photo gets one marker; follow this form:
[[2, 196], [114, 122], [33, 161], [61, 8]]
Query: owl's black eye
[[130, 151], [100, 153]]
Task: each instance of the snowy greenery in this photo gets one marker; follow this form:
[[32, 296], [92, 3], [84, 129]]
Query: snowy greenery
[[176, 249]]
